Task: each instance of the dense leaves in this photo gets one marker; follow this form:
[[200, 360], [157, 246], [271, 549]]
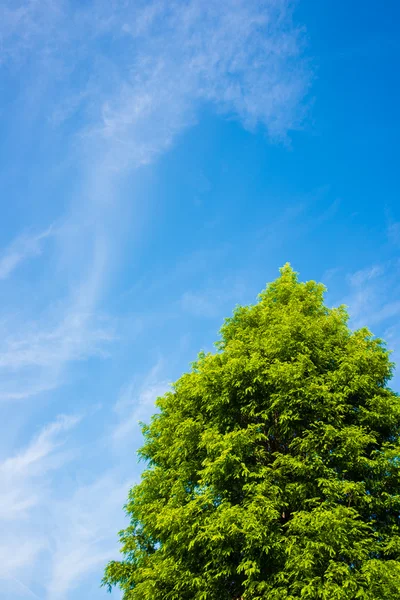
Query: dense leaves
[[273, 467]]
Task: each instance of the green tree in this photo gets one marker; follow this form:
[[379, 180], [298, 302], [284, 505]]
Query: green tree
[[273, 466]]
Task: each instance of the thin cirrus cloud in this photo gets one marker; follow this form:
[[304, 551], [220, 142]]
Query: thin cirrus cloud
[[35, 352], [126, 80], [24, 489], [21, 249], [367, 300], [113, 84], [86, 538], [148, 66], [166, 59], [241, 57], [136, 403], [33, 534], [32, 463], [368, 293]]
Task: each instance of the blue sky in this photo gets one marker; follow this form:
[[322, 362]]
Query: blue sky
[[159, 162]]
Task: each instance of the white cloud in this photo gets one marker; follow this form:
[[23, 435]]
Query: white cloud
[[52, 540], [85, 538], [371, 290], [16, 553], [21, 249], [136, 403], [372, 302], [15, 588], [244, 57], [35, 351], [164, 60], [45, 348], [17, 496], [24, 487], [364, 275], [127, 79], [34, 355]]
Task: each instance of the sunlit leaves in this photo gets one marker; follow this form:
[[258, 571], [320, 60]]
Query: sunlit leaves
[[273, 466]]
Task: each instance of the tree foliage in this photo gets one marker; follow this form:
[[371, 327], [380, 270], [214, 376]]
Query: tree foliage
[[273, 465]]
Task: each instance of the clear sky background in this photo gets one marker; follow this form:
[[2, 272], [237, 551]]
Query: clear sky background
[[159, 161]]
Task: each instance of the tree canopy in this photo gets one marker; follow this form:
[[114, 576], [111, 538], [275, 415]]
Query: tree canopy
[[272, 468]]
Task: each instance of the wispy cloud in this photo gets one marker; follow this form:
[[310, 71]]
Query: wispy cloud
[[164, 58], [114, 84], [242, 57], [21, 249], [364, 276], [372, 302], [136, 403], [36, 348], [370, 289], [150, 68], [17, 472], [23, 490], [34, 355], [85, 538], [63, 342], [15, 588]]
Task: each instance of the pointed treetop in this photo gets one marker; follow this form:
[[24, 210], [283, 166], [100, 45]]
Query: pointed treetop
[[287, 272]]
